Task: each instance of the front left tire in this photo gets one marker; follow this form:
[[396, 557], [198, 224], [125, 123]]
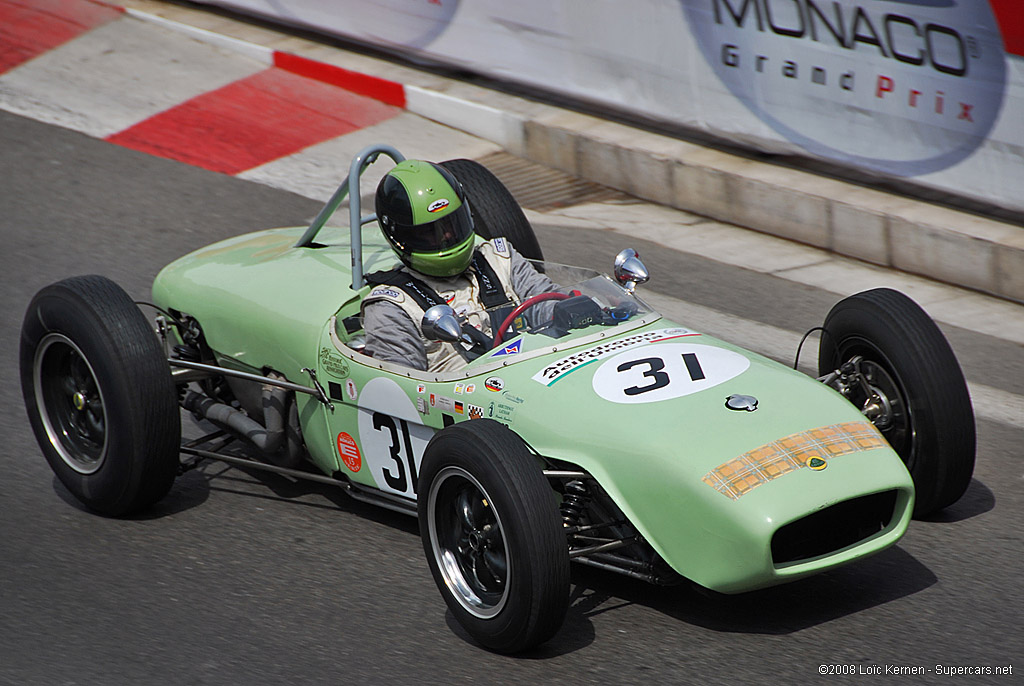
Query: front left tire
[[493, 536], [99, 395]]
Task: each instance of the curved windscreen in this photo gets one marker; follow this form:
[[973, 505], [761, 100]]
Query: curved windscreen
[[588, 300]]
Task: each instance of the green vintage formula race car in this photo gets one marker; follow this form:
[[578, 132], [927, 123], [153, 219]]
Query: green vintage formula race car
[[598, 433]]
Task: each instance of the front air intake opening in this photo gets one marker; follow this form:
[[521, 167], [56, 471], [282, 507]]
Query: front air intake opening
[[834, 528]]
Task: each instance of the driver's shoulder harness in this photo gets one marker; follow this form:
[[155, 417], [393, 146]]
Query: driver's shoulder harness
[[493, 279]]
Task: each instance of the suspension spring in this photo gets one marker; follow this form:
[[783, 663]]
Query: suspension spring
[[574, 502], [187, 352]]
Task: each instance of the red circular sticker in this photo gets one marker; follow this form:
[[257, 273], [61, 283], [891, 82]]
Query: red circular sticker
[[349, 452]]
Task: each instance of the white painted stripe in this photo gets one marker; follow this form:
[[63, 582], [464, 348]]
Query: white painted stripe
[[117, 75], [489, 123], [990, 403], [253, 51]]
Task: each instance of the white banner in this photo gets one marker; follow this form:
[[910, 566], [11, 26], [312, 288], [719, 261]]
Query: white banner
[[929, 91]]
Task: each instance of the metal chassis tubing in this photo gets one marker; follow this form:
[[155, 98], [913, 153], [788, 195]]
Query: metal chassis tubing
[[207, 370], [190, 371], [356, 491]]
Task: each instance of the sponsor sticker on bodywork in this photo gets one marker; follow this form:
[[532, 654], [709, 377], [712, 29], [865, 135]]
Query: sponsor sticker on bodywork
[[502, 412], [442, 403], [513, 348], [557, 370], [349, 452], [333, 364]]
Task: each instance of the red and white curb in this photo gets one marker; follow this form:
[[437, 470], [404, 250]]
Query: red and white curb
[[489, 123], [384, 90], [184, 93]]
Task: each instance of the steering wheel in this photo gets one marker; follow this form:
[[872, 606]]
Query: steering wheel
[[523, 306]]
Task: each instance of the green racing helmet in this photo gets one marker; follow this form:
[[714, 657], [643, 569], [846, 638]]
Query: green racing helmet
[[424, 215]]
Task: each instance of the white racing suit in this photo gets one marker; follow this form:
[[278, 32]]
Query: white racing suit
[[391, 316]]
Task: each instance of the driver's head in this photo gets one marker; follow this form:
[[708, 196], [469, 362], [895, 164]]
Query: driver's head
[[425, 217]]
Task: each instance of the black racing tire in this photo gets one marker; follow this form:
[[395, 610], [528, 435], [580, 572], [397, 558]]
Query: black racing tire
[[493, 536], [99, 395], [911, 362], [495, 212]]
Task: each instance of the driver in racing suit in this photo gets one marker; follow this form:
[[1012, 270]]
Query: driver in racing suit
[[425, 216]]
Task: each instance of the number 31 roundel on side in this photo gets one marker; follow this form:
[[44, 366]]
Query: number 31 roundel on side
[[668, 370], [392, 443]]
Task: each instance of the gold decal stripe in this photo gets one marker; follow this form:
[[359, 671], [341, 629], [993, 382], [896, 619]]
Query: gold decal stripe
[[743, 474]]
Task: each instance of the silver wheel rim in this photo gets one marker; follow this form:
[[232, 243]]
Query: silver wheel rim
[[69, 401], [468, 542]]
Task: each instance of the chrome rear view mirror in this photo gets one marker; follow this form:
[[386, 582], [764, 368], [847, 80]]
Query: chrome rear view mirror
[[629, 270], [440, 324]]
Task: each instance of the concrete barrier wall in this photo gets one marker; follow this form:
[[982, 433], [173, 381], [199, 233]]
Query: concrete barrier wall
[[929, 92]]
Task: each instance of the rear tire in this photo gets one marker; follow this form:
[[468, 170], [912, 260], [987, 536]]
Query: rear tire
[[911, 363], [493, 536], [495, 212], [99, 395]]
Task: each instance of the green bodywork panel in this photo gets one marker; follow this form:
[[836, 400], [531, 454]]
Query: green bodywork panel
[[640, 406]]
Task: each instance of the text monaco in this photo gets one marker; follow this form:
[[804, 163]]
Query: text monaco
[[891, 36]]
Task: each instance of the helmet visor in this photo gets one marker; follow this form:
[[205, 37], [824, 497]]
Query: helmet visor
[[437, 236]]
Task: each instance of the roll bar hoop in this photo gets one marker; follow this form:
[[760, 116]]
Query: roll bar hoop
[[360, 162]]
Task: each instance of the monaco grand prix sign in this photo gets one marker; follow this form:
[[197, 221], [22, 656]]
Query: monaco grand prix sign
[[905, 87]]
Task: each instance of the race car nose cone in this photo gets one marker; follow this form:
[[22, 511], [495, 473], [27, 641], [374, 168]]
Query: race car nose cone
[[741, 402]]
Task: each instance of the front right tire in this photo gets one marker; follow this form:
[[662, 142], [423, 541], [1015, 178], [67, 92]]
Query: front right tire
[[927, 416]]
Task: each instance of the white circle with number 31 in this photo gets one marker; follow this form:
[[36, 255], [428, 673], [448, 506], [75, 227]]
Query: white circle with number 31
[[663, 371], [392, 444]]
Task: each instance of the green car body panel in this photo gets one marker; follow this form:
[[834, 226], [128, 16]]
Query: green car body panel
[[641, 406]]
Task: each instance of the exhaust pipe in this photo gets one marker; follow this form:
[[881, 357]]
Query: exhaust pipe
[[281, 428]]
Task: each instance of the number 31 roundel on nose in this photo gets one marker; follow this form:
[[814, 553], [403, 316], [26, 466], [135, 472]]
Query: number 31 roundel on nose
[[669, 370]]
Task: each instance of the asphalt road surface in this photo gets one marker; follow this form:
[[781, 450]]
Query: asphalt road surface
[[246, 578]]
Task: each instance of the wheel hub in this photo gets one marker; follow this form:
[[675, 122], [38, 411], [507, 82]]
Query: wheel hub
[[878, 409], [70, 403], [468, 543], [871, 387]]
